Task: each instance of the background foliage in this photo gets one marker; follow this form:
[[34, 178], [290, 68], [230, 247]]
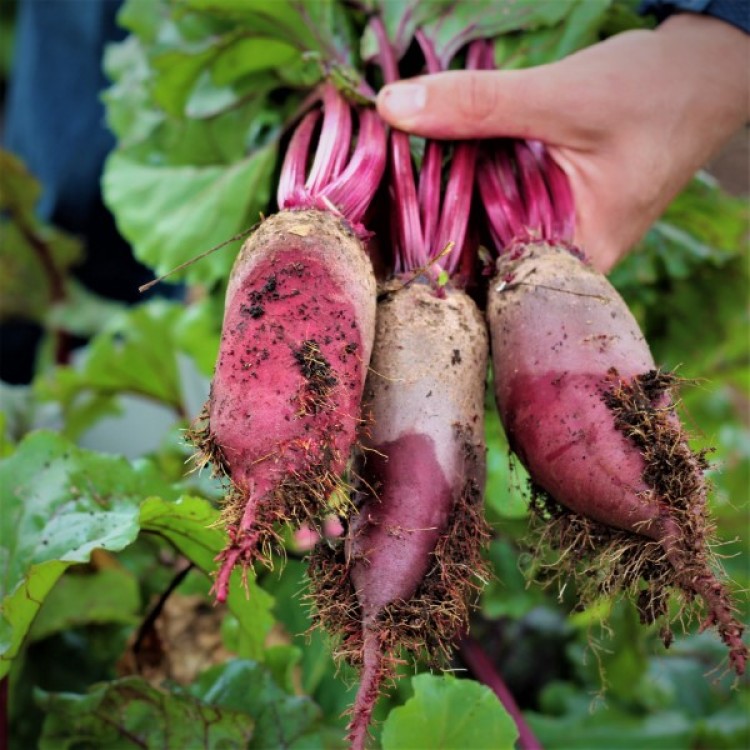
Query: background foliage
[[107, 631]]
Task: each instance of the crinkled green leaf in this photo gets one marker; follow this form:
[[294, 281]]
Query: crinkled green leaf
[[401, 19], [110, 595], [205, 138], [449, 713], [19, 189], [250, 55], [190, 524], [282, 661], [207, 100], [680, 681], [34, 256], [294, 614], [281, 720], [143, 17], [199, 329], [172, 214], [18, 609], [703, 227], [284, 19], [59, 504], [582, 26], [130, 114], [80, 407], [175, 75], [463, 22], [26, 289], [728, 727], [84, 313], [217, 124], [130, 713], [6, 440], [135, 354], [508, 593], [449, 26]]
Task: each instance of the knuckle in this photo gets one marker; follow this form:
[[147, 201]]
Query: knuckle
[[477, 100]]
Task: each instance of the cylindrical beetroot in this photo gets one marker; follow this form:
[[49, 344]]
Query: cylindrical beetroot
[[425, 448], [411, 557], [618, 491], [412, 553], [299, 321], [284, 406]]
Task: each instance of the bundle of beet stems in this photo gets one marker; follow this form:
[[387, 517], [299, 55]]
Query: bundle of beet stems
[[323, 404]]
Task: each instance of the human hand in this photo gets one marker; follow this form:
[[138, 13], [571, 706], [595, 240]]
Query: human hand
[[629, 120]]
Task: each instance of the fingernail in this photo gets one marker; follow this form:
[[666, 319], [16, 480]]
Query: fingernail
[[403, 101]]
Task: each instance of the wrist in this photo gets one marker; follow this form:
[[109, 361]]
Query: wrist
[[717, 54]]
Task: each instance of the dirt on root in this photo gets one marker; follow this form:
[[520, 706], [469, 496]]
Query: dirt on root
[[320, 378], [302, 497], [428, 623], [603, 561]]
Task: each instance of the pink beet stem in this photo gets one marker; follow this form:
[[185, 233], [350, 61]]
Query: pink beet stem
[[538, 214], [456, 207], [334, 141], [424, 225], [480, 666], [429, 191], [409, 247], [432, 162], [292, 177], [353, 189], [336, 181], [526, 196], [501, 197], [562, 196], [454, 214]]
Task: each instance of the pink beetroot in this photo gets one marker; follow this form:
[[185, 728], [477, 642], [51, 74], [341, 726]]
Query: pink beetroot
[[283, 413], [617, 486]]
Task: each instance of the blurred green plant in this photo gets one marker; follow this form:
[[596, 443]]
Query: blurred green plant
[[203, 95]]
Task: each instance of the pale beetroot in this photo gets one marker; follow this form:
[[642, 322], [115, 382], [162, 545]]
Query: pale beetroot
[[403, 578], [413, 551]]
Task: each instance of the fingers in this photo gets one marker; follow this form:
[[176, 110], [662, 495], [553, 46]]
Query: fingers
[[476, 104]]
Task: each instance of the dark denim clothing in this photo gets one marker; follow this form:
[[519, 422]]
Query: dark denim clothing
[[55, 122], [736, 12]]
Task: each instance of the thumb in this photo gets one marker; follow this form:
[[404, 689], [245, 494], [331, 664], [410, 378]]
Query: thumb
[[480, 104]]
